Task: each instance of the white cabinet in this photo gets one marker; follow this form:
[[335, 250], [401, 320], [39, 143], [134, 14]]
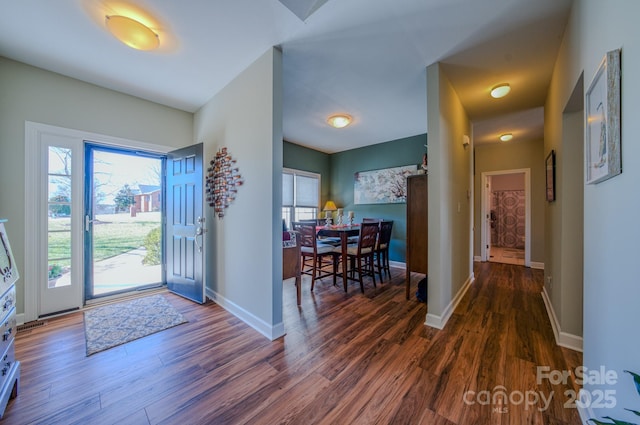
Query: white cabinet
[[9, 367]]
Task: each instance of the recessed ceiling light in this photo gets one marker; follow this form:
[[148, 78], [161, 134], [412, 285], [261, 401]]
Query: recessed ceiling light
[[132, 33], [339, 120], [506, 137], [501, 90]]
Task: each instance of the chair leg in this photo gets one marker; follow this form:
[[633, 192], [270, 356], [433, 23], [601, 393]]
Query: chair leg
[[373, 270], [360, 274], [380, 267], [313, 273]]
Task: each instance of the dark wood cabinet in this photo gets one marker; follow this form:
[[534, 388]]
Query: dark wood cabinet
[[417, 227]]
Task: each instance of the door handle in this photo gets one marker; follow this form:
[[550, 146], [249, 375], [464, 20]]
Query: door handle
[[87, 222], [200, 230]]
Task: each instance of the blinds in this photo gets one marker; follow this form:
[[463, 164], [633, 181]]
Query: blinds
[[287, 189], [300, 190]]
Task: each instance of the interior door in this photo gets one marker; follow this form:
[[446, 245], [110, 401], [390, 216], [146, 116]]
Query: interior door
[[184, 226]]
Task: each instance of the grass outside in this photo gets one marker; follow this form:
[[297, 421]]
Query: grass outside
[[113, 234]]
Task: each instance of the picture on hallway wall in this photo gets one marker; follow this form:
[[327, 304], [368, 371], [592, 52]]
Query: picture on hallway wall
[[386, 186], [550, 173], [602, 121]]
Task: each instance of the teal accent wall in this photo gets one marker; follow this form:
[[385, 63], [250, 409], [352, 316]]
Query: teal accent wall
[[396, 153], [338, 171], [305, 159]]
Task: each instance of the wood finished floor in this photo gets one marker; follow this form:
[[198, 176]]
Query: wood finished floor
[[346, 359]]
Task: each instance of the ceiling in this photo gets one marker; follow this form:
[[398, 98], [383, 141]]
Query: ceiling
[[367, 58]]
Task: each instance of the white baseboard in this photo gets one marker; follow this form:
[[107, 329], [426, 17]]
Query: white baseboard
[[585, 414], [563, 339], [20, 319], [439, 322], [397, 264], [477, 258], [271, 332], [536, 265]]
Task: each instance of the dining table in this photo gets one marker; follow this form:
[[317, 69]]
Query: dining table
[[343, 231]]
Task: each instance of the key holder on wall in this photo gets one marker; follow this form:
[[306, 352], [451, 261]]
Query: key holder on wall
[[222, 182]]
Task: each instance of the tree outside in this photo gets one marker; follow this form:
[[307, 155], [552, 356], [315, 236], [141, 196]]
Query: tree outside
[[124, 199]]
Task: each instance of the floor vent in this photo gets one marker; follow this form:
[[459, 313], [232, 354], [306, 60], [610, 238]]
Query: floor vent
[[31, 325]]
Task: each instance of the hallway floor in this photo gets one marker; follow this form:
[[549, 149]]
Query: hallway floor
[[507, 255]]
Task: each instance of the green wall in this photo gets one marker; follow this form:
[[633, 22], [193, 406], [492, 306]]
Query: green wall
[[338, 171], [305, 159], [395, 153]]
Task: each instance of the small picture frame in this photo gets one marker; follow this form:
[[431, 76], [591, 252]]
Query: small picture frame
[[603, 158], [550, 173]]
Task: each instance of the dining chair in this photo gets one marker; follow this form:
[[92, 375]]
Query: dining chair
[[382, 247], [318, 260], [361, 254]]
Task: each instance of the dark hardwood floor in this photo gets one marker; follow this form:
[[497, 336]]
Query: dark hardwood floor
[[346, 359]]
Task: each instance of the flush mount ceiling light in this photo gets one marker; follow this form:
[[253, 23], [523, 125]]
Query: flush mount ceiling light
[[506, 137], [132, 33], [501, 90], [339, 121]]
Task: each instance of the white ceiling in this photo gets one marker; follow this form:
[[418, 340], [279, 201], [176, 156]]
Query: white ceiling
[[367, 58]]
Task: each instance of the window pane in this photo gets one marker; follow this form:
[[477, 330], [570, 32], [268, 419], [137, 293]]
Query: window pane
[[287, 189], [59, 245], [306, 191], [59, 161], [59, 217]]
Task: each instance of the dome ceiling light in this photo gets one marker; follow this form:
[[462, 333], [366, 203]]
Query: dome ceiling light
[[339, 120], [501, 90], [132, 33], [506, 137]]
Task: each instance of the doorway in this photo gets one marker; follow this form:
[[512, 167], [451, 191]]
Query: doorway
[[123, 221], [507, 217]]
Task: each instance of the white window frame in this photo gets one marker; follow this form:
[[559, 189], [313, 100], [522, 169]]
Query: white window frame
[[295, 172]]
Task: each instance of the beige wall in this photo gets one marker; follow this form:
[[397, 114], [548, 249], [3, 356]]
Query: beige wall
[[611, 230], [32, 94], [244, 249], [450, 263], [512, 156]]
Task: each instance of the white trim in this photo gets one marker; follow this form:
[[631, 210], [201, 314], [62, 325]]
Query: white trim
[[439, 322], [585, 413], [563, 339], [272, 332], [35, 183], [397, 264], [477, 258], [537, 265], [527, 222], [20, 319]]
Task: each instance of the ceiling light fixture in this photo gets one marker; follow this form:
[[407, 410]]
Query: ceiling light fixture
[[506, 137], [132, 33], [339, 120], [501, 90]]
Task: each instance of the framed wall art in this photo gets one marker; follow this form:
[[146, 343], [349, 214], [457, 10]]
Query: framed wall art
[[385, 186], [550, 173], [603, 158]]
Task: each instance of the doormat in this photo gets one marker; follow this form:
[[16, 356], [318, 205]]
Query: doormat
[[115, 324]]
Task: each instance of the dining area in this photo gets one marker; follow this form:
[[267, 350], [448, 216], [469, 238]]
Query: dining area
[[351, 252]]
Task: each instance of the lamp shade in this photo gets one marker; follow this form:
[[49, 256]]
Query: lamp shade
[[132, 33], [330, 206]]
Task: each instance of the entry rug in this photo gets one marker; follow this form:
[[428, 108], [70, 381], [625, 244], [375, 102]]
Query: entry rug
[[115, 324]]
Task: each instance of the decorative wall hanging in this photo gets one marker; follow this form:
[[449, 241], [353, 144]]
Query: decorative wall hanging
[[222, 182], [386, 186], [602, 121]]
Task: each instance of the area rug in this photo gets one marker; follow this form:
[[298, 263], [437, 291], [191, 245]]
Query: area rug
[[115, 324]]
